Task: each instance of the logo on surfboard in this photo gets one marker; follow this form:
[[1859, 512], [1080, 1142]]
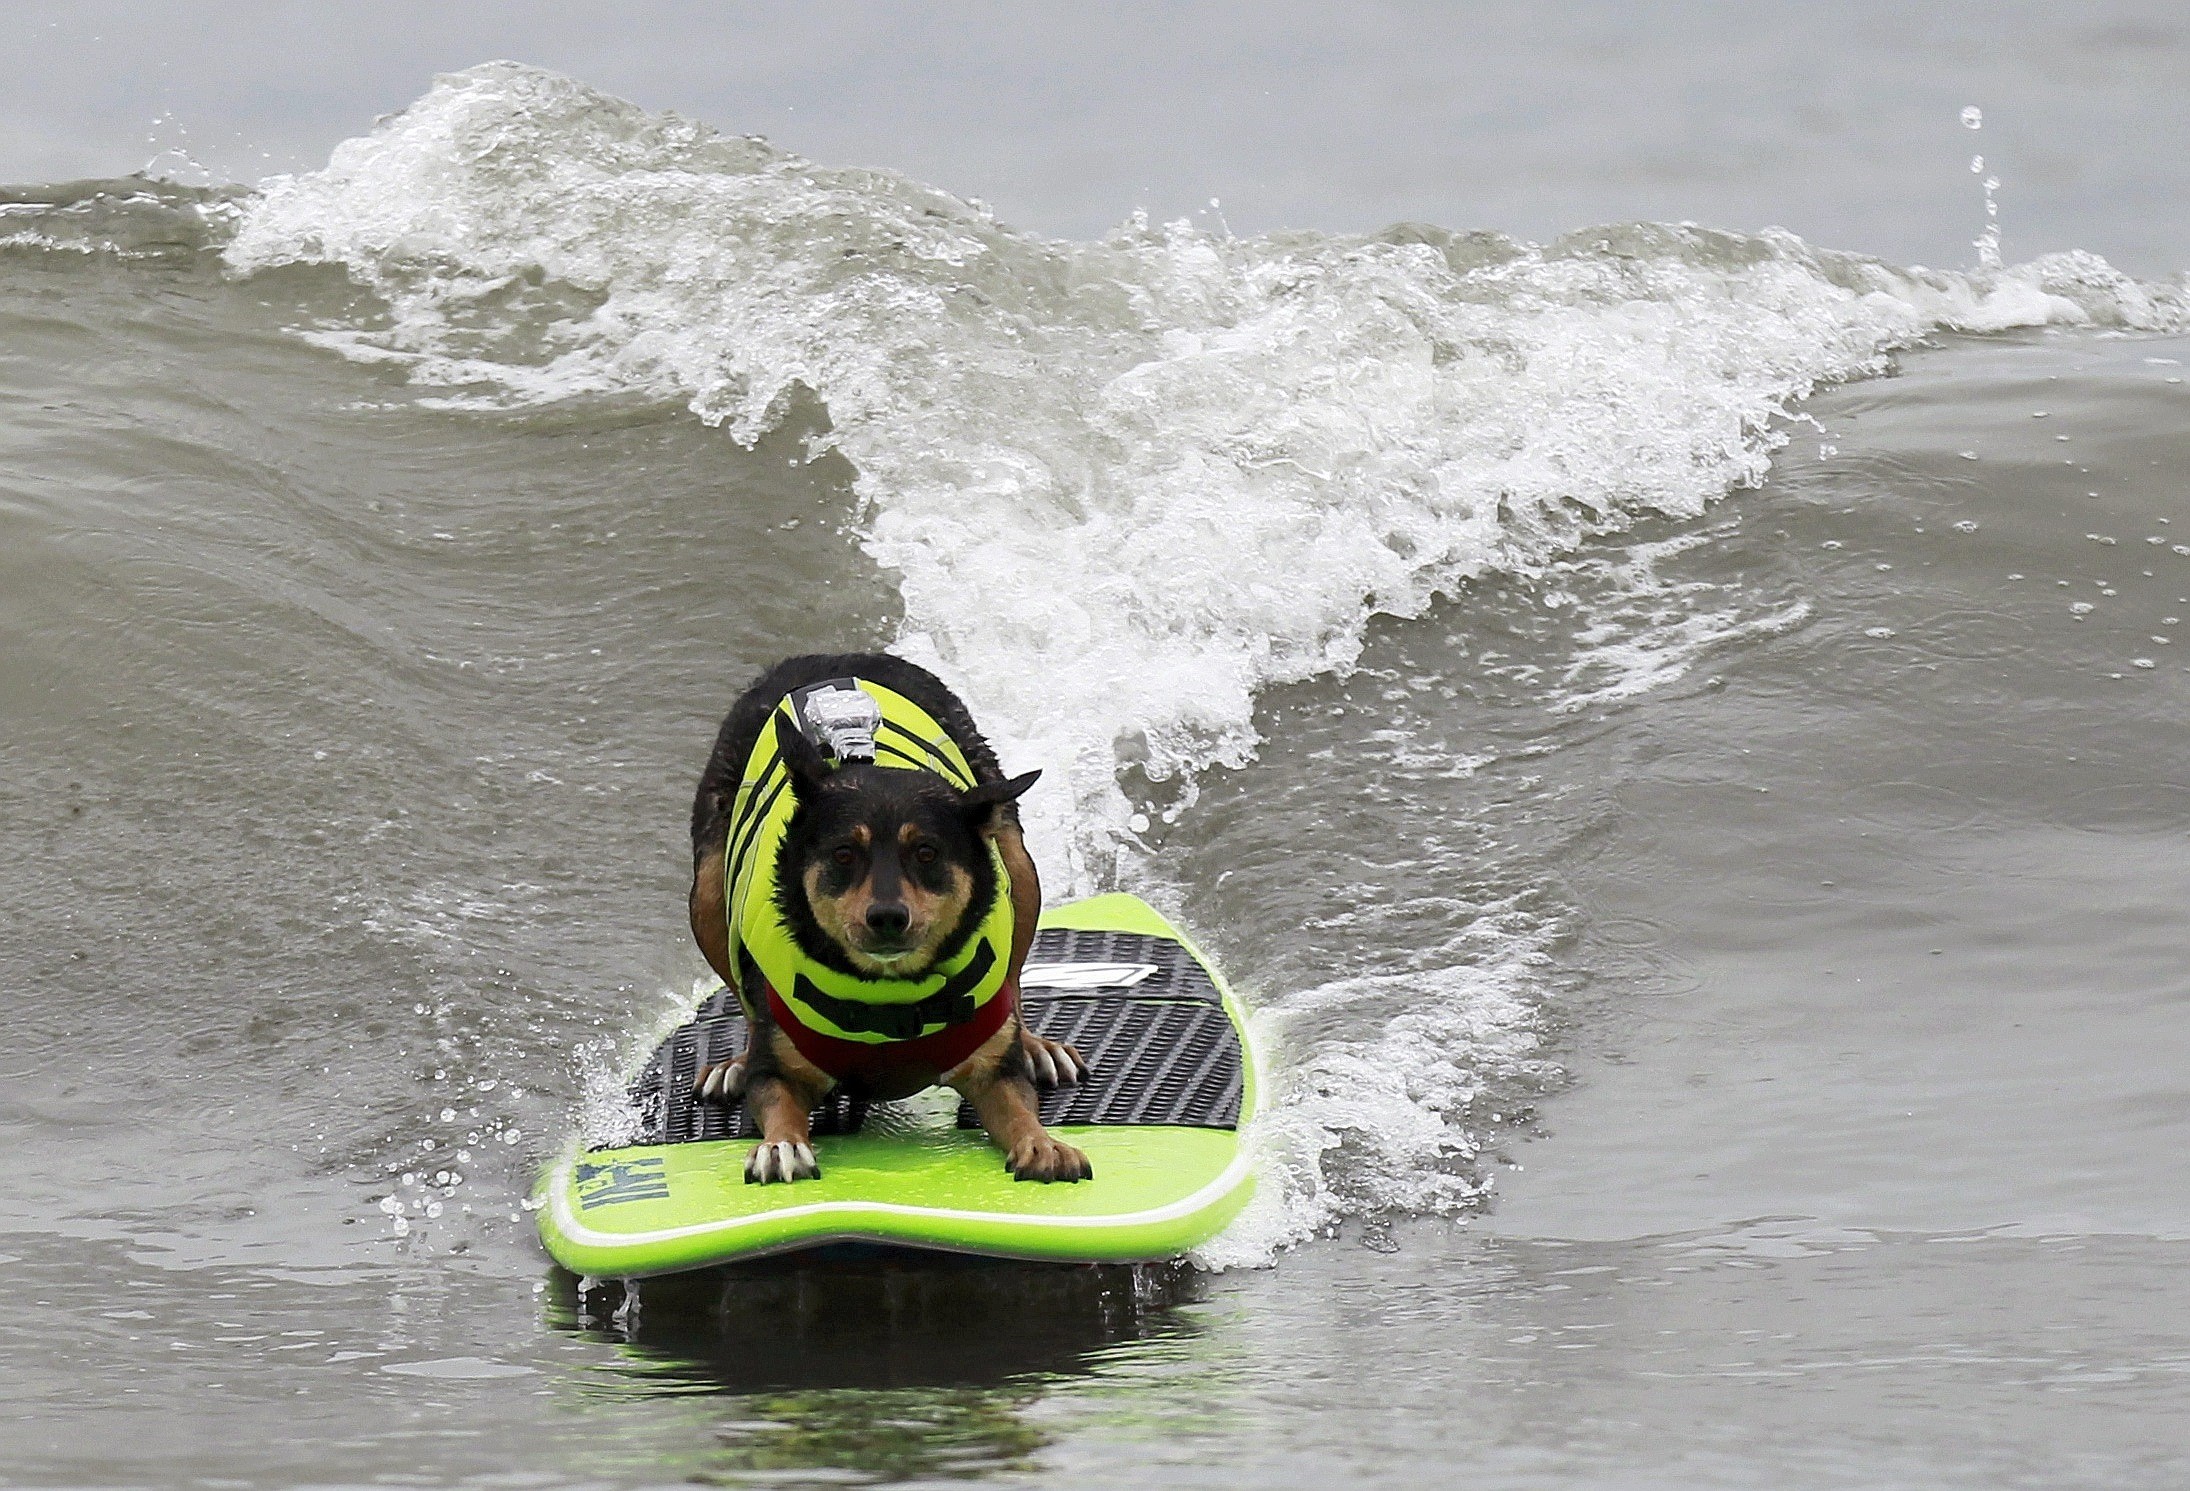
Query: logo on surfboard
[[619, 1181]]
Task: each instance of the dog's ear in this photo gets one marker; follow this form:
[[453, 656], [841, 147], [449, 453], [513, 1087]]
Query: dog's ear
[[801, 758], [980, 804]]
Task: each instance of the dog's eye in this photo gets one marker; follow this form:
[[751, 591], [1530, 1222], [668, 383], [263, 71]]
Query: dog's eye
[[924, 855], [845, 856]]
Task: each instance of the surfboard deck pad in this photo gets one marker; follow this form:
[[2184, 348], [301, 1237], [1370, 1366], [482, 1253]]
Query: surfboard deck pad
[[1171, 1081]]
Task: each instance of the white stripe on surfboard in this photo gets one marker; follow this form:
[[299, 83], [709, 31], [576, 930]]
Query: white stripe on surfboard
[[568, 1224]]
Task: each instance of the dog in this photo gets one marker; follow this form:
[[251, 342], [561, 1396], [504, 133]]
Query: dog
[[861, 882]]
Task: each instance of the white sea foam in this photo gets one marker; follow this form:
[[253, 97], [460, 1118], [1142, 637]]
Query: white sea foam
[[1637, 631], [1388, 1125], [1127, 484]]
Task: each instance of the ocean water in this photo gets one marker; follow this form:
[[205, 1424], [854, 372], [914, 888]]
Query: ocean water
[[1676, 732]]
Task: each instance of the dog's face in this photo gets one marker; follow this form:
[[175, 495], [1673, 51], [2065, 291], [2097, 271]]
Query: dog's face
[[893, 867], [889, 868]]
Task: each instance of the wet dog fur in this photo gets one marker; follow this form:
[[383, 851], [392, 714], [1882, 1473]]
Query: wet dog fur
[[886, 874]]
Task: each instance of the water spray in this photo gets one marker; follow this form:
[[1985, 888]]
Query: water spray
[[1986, 243]]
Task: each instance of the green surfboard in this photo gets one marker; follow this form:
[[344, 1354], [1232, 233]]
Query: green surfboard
[[1161, 1114]]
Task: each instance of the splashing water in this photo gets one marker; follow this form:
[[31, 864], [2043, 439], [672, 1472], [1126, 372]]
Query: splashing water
[[1987, 243], [1367, 1130]]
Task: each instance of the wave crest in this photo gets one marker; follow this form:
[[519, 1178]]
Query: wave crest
[[1145, 476]]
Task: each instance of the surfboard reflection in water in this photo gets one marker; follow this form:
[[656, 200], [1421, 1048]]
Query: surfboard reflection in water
[[864, 1362]]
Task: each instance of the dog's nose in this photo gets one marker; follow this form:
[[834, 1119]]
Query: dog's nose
[[888, 918]]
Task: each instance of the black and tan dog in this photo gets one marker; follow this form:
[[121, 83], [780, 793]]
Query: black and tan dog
[[869, 897]]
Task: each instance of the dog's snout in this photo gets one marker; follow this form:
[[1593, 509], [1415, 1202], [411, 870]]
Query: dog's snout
[[888, 918]]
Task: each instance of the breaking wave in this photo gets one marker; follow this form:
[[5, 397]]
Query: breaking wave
[[1128, 483]]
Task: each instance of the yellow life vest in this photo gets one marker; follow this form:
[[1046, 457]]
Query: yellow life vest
[[867, 1011]]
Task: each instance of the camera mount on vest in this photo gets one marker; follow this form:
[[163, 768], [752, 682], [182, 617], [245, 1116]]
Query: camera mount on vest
[[842, 722]]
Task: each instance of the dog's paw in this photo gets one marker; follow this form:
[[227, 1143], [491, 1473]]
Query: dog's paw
[[723, 1082], [783, 1160], [1052, 1063], [1039, 1157]]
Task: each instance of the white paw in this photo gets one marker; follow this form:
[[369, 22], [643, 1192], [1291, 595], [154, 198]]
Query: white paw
[[783, 1160], [1039, 1157], [721, 1083], [1054, 1063]]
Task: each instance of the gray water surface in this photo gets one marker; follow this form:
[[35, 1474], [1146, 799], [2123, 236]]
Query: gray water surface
[[1720, 968]]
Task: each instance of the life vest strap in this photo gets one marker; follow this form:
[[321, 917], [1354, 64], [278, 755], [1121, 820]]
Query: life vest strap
[[950, 1005], [856, 1060]]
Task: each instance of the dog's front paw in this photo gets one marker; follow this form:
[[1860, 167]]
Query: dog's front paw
[[721, 1082], [1052, 1063], [785, 1159], [1039, 1157]]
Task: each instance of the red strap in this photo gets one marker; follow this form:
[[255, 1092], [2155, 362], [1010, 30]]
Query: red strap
[[843, 1059]]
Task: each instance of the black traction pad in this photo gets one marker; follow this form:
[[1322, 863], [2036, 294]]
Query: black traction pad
[[1160, 1047]]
